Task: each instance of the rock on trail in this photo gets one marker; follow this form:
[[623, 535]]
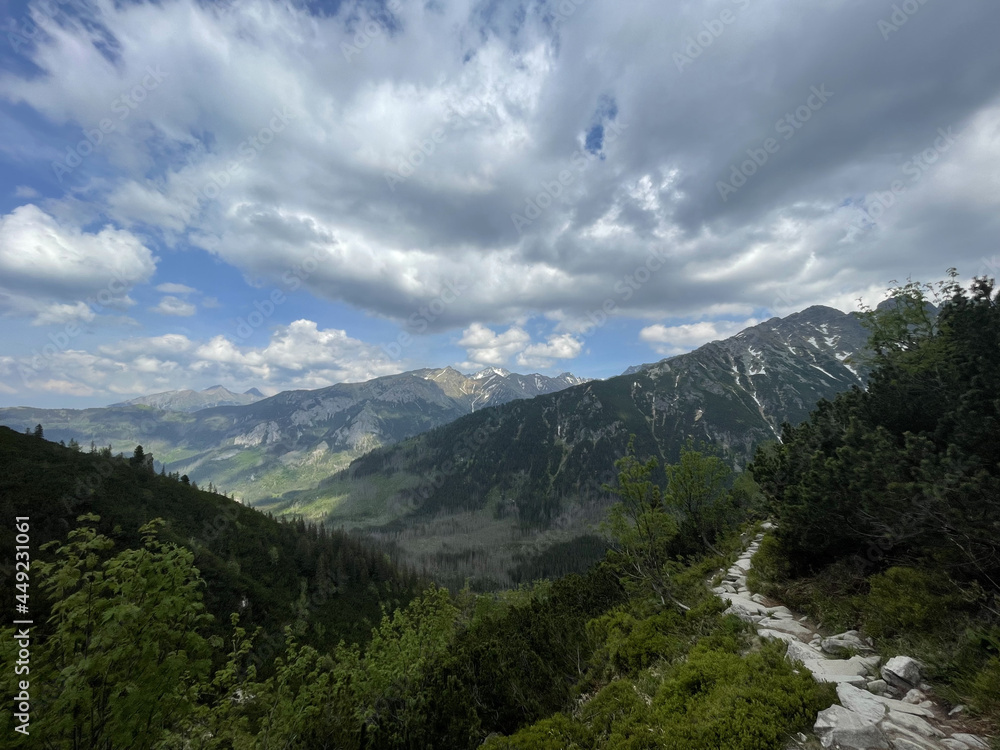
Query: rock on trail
[[884, 706]]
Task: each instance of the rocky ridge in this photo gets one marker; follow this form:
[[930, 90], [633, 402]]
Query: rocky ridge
[[882, 706]]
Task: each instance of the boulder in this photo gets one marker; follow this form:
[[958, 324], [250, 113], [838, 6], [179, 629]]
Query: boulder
[[837, 670], [862, 703], [798, 651], [915, 697], [912, 723], [971, 740], [877, 687], [786, 626], [845, 644], [902, 671], [899, 707], [839, 727]]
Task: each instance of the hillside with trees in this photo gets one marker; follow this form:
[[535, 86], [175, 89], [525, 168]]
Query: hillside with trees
[[887, 499], [886, 509]]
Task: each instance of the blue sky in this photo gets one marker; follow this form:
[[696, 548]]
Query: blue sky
[[287, 195]]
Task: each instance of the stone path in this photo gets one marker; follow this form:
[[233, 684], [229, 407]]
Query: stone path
[[883, 706]]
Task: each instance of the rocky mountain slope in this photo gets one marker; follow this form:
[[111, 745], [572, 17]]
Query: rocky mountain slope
[[188, 400], [529, 474], [291, 440]]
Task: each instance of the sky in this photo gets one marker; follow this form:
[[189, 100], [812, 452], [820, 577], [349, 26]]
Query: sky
[[289, 195]]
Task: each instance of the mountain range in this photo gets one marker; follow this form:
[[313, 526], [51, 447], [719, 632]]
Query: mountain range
[[188, 400], [291, 440], [496, 491], [479, 474]]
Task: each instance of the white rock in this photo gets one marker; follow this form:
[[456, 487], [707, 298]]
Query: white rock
[[971, 740], [957, 710], [905, 708], [844, 644], [915, 697], [877, 687], [786, 626], [912, 743], [953, 744], [862, 703], [839, 727], [798, 651], [913, 723], [902, 671], [837, 670]]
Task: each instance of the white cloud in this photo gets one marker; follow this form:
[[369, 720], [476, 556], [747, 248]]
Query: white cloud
[[484, 346], [62, 314], [560, 346], [677, 339], [26, 191], [513, 98], [171, 288], [299, 355], [171, 305], [45, 261]]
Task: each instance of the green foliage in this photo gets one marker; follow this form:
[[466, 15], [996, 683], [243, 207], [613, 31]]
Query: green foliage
[[125, 650], [886, 498], [910, 468], [698, 488], [714, 699], [558, 732], [986, 690], [770, 568], [640, 529], [632, 644], [250, 563], [903, 600]]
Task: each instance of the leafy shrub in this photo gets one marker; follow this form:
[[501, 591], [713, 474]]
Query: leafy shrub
[[908, 600], [632, 644], [770, 568], [986, 690], [558, 732]]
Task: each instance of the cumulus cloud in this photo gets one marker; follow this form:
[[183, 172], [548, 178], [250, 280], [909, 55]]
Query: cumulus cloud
[[484, 346], [561, 346], [171, 288], [55, 271], [170, 305], [299, 355], [677, 339], [396, 169]]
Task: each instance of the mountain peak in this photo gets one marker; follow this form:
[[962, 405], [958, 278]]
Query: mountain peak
[[489, 372]]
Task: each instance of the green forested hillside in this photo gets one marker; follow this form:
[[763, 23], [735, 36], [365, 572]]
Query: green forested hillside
[[127, 657], [888, 500], [267, 570], [515, 485]]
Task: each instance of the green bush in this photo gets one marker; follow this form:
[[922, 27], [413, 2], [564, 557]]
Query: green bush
[[986, 690], [907, 600], [558, 732], [770, 568], [721, 700], [632, 644]]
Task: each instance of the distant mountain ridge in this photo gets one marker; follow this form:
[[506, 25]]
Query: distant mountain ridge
[[190, 401], [293, 439], [532, 470]]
